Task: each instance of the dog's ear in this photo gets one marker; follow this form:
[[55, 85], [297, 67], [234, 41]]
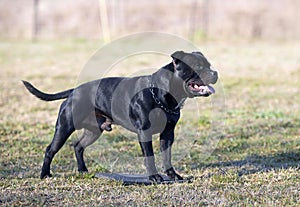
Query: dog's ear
[[177, 57], [198, 53]]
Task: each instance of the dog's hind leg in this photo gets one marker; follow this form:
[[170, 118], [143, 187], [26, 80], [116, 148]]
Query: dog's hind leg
[[87, 138], [64, 128]]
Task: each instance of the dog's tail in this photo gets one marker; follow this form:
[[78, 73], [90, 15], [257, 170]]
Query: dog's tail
[[44, 96]]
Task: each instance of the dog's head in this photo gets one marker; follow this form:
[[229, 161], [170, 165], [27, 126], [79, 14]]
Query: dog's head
[[195, 72]]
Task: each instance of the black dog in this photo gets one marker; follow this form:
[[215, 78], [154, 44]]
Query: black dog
[[145, 105]]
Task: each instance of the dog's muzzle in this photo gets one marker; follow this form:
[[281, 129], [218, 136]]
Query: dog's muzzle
[[201, 86]]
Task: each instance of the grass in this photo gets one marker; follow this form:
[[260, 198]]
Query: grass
[[254, 162]]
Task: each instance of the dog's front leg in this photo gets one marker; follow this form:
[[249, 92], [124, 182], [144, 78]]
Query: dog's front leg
[[166, 141], [149, 160]]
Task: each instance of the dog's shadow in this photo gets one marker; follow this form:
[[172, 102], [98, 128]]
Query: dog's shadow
[[261, 163]]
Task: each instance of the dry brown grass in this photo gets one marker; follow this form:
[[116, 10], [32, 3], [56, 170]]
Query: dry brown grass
[[256, 162]]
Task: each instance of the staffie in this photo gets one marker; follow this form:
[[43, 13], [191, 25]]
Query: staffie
[[146, 105]]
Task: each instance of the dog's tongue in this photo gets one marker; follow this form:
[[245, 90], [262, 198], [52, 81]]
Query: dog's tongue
[[211, 89]]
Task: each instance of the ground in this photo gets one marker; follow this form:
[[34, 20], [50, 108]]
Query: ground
[[245, 151]]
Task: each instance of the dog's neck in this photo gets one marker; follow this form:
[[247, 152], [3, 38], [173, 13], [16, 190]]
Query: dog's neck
[[171, 91]]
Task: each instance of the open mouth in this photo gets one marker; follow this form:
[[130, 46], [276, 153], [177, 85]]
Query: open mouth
[[200, 89]]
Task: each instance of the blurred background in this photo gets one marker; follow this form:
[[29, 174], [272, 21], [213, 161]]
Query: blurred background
[[254, 45], [192, 19]]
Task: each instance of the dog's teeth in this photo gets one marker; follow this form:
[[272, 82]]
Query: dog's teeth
[[202, 87], [196, 86]]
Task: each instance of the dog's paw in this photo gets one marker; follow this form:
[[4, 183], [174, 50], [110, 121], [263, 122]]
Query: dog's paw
[[171, 173], [45, 175], [157, 178], [83, 171]]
